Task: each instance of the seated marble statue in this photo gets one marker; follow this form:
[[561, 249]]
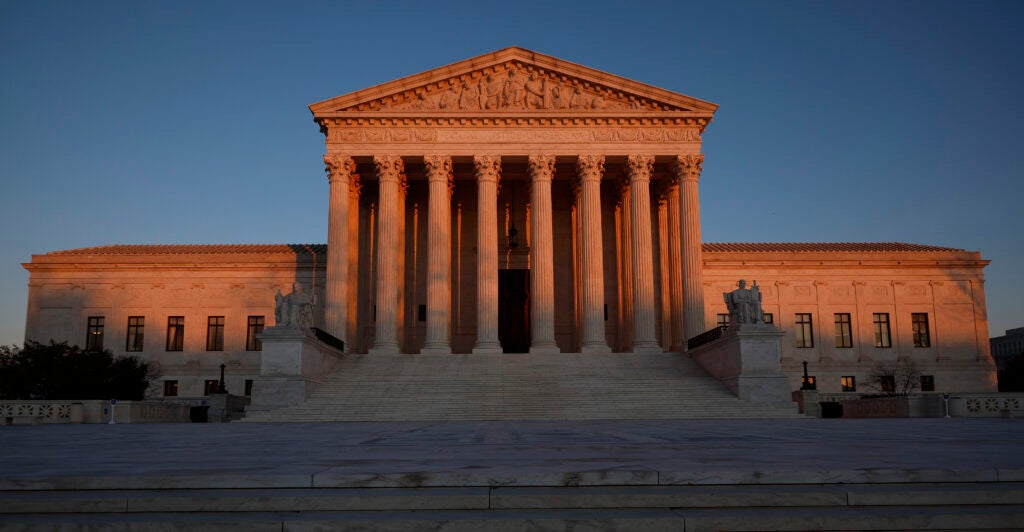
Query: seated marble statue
[[295, 309], [744, 304]]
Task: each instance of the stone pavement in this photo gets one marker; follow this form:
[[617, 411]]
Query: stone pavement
[[510, 453]]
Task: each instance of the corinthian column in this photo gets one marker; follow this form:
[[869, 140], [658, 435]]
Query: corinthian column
[[390, 174], [675, 267], [439, 254], [542, 274], [590, 168], [488, 173], [340, 172], [688, 168], [644, 337]]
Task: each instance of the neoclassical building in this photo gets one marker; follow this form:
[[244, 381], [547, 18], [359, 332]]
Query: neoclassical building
[[515, 202]]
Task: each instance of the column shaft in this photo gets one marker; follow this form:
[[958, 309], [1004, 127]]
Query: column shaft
[[675, 269], [688, 167], [389, 172], [488, 173], [542, 274], [439, 254], [590, 169], [644, 314], [340, 171]]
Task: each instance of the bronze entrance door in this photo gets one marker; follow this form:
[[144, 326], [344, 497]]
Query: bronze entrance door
[[514, 310]]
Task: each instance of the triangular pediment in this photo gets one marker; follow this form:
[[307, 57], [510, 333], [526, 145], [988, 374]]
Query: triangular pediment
[[513, 80]]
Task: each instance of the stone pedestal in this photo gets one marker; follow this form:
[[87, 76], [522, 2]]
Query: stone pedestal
[[291, 367], [746, 360]]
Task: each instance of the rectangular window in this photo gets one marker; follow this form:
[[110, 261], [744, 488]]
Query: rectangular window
[[723, 320], [170, 388], [804, 331], [919, 320], [94, 335], [808, 383], [210, 386], [215, 333], [769, 318], [888, 383], [882, 338], [849, 383], [136, 328], [844, 335], [927, 383], [248, 387], [255, 327], [176, 333], [421, 313]]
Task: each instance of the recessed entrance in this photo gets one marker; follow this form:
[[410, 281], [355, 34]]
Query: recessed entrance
[[514, 310]]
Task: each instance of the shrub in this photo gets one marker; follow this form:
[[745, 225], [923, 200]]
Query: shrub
[[60, 371]]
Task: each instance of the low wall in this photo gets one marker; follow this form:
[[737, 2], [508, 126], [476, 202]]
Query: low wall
[[292, 364], [930, 405], [93, 411], [746, 360]]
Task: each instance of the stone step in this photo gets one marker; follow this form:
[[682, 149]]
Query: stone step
[[642, 519], [520, 386], [509, 498]]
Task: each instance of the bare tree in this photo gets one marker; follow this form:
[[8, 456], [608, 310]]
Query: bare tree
[[895, 378]]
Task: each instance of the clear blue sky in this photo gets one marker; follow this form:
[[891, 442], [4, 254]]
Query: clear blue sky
[[186, 121]]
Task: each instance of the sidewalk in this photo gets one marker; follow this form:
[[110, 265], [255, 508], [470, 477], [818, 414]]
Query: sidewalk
[[502, 453]]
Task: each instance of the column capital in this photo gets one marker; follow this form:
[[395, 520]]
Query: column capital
[[590, 167], [541, 167], [639, 167], [439, 168], [487, 167], [389, 167], [688, 167], [340, 167]]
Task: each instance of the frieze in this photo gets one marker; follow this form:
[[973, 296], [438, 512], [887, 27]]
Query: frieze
[[355, 135], [512, 86]]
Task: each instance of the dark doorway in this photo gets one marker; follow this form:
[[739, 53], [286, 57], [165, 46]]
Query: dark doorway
[[514, 310]]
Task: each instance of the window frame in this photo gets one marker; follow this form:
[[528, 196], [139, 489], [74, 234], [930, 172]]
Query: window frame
[[723, 320], [880, 321], [135, 337], [94, 333], [844, 330], [804, 330], [175, 333], [848, 383], [254, 326], [921, 333], [171, 385], [210, 386], [215, 333], [930, 380]]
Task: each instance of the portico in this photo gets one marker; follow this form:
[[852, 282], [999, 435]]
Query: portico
[[514, 161]]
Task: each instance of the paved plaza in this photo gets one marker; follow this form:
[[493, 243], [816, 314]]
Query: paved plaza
[[496, 453]]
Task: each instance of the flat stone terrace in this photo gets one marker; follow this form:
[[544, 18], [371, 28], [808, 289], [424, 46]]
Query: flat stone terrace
[[819, 474]]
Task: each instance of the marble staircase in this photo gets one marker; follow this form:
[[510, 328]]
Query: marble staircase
[[567, 386], [901, 506]]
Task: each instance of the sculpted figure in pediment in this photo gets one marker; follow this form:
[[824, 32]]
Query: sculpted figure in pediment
[[492, 92], [450, 98], [469, 100], [514, 90], [536, 95]]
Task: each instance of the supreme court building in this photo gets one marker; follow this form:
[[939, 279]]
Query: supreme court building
[[514, 203]]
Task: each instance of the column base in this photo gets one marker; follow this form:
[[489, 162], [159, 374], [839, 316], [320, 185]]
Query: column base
[[384, 350], [596, 349], [545, 349], [436, 350], [647, 348], [488, 349]]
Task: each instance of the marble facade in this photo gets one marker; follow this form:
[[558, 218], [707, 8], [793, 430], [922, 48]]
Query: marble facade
[[514, 202]]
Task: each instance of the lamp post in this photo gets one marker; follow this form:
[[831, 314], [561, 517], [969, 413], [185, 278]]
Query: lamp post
[[220, 385]]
